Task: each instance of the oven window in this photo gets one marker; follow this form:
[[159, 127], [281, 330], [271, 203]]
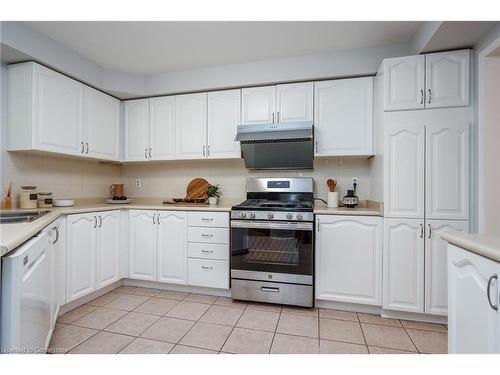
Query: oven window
[[272, 250]]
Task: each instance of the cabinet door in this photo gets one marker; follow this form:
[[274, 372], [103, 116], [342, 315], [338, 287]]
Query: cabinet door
[[191, 126], [108, 241], [436, 291], [172, 247], [258, 105], [224, 113], [294, 102], [447, 169], [357, 243], [404, 170], [59, 245], [473, 326], [58, 112], [136, 130], [343, 117], [102, 125], [162, 128], [447, 79], [404, 83], [80, 255], [142, 244], [403, 265]]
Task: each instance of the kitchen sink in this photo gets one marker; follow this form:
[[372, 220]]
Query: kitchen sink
[[20, 216]]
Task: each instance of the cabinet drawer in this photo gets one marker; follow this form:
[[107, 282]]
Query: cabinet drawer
[[208, 251], [208, 219], [208, 235], [208, 273]]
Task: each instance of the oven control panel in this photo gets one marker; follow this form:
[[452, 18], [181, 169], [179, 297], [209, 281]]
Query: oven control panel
[[272, 215]]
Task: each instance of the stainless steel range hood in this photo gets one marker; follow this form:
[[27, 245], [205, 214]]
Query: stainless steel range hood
[[277, 146]]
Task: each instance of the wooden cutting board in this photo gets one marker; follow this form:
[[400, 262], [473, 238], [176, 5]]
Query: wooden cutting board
[[197, 188]]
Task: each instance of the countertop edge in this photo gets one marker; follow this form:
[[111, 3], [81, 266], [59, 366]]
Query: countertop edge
[[484, 245]]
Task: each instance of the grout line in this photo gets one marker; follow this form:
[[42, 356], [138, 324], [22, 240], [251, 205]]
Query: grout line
[[363, 333], [411, 339]]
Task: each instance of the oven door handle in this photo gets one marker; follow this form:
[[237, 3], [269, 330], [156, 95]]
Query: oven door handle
[[271, 225]]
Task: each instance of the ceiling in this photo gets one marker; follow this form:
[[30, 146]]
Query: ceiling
[[160, 47]]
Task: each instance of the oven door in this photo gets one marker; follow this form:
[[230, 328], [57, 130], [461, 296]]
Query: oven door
[[272, 251]]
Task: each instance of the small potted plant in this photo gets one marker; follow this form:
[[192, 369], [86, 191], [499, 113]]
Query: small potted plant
[[213, 193]]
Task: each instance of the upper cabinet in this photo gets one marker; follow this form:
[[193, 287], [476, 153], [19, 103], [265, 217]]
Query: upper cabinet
[[277, 104], [435, 80], [162, 128], [137, 130], [343, 117], [48, 111], [191, 126]]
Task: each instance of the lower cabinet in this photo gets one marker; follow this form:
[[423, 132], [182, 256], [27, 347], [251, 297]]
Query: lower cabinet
[[349, 259], [91, 252], [143, 245], [208, 273], [172, 247]]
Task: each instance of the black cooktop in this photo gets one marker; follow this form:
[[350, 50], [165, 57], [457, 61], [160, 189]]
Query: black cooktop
[[274, 205]]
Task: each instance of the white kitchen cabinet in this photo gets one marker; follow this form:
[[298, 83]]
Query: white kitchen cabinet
[[107, 248], [258, 105], [349, 259], [191, 126], [136, 130], [404, 169], [447, 79], [403, 270], [404, 83], [80, 255], [208, 273], [436, 297], [447, 168], [343, 117], [162, 128], [172, 246], [224, 114], [143, 245], [294, 102], [102, 125], [473, 325]]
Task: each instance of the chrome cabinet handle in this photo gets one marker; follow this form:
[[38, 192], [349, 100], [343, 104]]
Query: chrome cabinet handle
[[421, 96], [206, 268], [150, 149], [83, 147], [429, 93], [208, 150], [95, 221], [146, 152], [494, 307], [56, 229], [87, 145], [207, 235], [158, 219], [100, 222], [421, 230], [207, 251], [207, 219], [154, 218], [430, 231], [278, 117], [203, 150], [316, 147], [273, 117]]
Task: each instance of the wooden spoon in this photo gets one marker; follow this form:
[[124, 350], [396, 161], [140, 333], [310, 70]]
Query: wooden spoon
[[331, 184]]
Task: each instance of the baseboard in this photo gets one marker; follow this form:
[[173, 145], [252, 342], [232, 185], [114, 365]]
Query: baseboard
[[345, 306], [404, 315], [177, 288], [89, 297]]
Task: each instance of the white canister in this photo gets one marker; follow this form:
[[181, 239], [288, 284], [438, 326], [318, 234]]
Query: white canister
[[333, 199], [28, 198]]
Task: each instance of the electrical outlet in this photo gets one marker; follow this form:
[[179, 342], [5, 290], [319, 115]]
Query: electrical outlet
[[138, 183], [354, 180]]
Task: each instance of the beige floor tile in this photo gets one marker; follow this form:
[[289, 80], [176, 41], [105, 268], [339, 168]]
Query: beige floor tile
[[259, 319], [222, 315], [300, 310], [429, 342], [264, 306], [337, 347], [168, 329], [58, 326], [133, 324], [76, 313], [157, 306], [67, 338], [207, 336], [377, 319], [127, 302], [227, 301], [287, 344], [188, 310], [248, 341], [202, 298], [150, 292], [300, 325], [183, 349], [387, 337], [341, 330], [377, 350], [103, 343], [179, 296], [145, 346], [124, 289], [104, 299], [424, 326], [338, 314], [100, 318]]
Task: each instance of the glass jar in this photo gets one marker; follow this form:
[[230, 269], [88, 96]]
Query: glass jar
[[45, 200]]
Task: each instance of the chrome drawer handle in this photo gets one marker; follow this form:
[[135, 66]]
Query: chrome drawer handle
[[270, 290], [207, 235], [206, 268], [494, 307], [207, 251], [207, 219]]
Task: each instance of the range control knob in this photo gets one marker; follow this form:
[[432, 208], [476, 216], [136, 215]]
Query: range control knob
[[243, 215], [289, 216], [270, 215], [252, 215], [300, 216]]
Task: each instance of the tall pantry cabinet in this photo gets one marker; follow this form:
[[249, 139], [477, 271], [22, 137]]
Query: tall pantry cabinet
[[426, 175]]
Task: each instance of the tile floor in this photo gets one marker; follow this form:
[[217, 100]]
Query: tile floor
[[142, 320]]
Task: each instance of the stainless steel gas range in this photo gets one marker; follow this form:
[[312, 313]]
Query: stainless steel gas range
[[272, 247]]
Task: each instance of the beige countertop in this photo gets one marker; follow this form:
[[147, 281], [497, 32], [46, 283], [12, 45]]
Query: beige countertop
[[482, 244], [365, 208]]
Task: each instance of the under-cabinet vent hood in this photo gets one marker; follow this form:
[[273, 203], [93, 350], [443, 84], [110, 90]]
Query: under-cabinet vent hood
[[277, 146]]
